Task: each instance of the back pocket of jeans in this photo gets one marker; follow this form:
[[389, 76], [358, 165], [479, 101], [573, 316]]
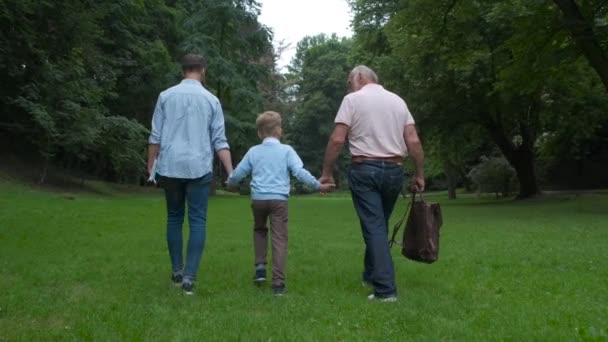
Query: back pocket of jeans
[[361, 181]]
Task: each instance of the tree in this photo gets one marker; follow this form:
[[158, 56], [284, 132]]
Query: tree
[[487, 64], [319, 72], [582, 29], [79, 79]]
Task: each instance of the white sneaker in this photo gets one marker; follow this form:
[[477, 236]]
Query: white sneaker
[[389, 299]]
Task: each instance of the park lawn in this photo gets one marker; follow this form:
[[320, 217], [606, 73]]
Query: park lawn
[[95, 267]]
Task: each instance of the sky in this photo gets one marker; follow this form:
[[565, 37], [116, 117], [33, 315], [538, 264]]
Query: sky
[[292, 20]]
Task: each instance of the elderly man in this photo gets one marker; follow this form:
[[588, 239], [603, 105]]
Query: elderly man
[[187, 127], [381, 133]]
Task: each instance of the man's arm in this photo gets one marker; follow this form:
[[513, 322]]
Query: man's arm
[[158, 119], [226, 159], [332, 152], [415, 151], [153, 150], [218, 138]]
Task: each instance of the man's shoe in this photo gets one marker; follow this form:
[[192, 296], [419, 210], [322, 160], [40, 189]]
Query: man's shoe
[[188, 288], [177, 279], [260, 274], [384, 299], [278, 291]]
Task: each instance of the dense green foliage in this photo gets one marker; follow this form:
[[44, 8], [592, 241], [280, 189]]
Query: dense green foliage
[[527, 80], [80, 78], [505, 72], [318, 74], [507, 270]]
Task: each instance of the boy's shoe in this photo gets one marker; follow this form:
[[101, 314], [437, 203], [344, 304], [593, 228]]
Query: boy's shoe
[[260, 274], [188, 288], [386, 299], [177, 279], [278, 291]]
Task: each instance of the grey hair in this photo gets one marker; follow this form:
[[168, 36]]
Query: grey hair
[[365, 72]]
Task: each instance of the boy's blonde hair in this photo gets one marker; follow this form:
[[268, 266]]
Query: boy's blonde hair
[[269, 124]]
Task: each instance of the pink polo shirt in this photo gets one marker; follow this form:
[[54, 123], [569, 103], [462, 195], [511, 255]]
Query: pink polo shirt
[[377, 120]]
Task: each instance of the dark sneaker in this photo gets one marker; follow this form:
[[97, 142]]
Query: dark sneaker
[[188, 288], [260, 275], [278, 291], [384, 299], [177, 279]]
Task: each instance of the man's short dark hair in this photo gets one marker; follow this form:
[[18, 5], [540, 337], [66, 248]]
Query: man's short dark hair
[[193, 62]]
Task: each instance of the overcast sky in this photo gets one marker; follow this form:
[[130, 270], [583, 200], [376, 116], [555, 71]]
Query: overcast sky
[[292, 20]]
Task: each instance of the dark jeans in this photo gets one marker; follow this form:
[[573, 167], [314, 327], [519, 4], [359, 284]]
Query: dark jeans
[[375, 187], [196, 193]]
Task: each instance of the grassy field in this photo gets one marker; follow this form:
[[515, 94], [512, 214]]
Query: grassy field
[[95, 267]]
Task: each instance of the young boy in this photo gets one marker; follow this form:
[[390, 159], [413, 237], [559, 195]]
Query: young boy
[[270, 164]]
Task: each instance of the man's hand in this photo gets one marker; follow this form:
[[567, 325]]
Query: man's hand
[[326, 187], [327, 180], [417, 184]]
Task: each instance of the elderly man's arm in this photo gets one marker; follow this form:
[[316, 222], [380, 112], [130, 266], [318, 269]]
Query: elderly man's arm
[[334, 147], [414, 147]]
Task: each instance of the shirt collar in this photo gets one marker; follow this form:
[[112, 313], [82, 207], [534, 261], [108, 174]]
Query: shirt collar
[[371, 85], [191, 81], [271, 140]]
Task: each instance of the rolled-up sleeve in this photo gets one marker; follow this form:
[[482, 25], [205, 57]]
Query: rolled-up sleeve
[[158, 119], [218, 130]]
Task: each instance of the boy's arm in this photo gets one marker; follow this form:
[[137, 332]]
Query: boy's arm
[[296, 167], [242, 170]]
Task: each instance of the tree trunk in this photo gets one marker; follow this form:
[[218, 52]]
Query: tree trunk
[[521, 157], [450, 174], [581, 30], [45, 170], [526, 173]]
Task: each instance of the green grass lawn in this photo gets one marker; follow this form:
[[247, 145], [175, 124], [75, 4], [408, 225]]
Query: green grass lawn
[[96, 267]]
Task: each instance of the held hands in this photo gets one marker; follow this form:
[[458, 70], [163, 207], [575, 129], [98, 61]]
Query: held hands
[[328, 184], [327, 187]]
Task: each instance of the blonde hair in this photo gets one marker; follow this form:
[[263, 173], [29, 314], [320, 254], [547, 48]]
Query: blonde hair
[[269, 124]]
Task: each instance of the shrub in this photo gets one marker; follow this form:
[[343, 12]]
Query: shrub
[[494, 175]]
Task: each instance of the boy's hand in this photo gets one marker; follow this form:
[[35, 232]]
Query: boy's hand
[[327, 187], [327, 179]]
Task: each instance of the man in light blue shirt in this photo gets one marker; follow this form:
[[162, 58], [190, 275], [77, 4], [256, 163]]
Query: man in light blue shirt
[[270, 165], [187, 128]]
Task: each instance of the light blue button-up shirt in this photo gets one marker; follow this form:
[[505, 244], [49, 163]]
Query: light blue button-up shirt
[[269, 165], [188, 124]]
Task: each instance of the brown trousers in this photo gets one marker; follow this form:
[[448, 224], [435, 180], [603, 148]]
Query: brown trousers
[[277, 211]]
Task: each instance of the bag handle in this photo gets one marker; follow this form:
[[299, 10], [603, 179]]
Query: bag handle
[[397, 226]]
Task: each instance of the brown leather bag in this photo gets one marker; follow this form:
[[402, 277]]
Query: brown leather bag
[[421, 236]]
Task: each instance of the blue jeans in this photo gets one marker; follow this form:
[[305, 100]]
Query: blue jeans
[[177, 192], [375, 187]]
